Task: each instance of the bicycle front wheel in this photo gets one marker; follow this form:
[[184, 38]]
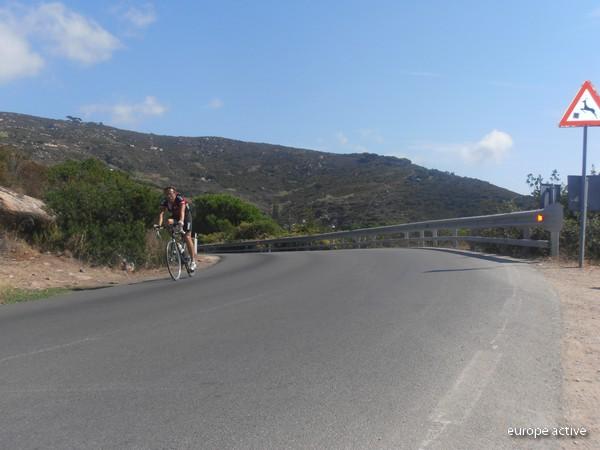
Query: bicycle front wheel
[[173, 260]]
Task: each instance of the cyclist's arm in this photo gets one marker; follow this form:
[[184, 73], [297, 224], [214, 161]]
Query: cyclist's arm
[[161, 217], [182, 213]]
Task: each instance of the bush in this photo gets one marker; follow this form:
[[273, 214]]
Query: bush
[[261, 229], [569, 235], [230, 218], [102, 214], [21, 174]]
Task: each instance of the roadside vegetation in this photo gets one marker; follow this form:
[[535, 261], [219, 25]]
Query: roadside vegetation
[[569, 236], [21, 174], [10, 295], [104, 216], [223, 217]]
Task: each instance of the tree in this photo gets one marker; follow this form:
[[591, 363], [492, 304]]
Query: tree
[[535, 183]]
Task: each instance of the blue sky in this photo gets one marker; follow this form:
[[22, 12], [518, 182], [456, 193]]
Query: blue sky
[[472, 87]]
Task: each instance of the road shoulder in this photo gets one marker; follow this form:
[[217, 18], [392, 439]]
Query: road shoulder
[[579, 292], [28, 273]]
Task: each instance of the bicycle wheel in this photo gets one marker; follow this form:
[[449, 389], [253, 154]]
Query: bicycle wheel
[[173, 260]]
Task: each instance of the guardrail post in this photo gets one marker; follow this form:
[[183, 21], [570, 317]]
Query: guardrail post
[[455, 241], [422, 236], [434, 235]]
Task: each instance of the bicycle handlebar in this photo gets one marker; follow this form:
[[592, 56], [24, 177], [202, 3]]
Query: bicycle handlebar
[[173, 228]]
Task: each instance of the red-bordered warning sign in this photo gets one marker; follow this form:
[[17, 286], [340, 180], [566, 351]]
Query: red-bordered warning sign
[[584, 110]]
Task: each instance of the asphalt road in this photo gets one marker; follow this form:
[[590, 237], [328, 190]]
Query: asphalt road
[[401, 348]]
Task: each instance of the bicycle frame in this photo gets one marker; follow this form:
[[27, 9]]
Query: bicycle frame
[[176, 253]]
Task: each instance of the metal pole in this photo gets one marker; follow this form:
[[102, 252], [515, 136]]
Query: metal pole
[[583, 197], [554, 240]]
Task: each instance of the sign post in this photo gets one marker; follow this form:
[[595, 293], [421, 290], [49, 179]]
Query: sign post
[[584, 200], [583, 111]]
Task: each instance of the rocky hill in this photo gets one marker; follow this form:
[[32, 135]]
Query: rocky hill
[[345, 190]]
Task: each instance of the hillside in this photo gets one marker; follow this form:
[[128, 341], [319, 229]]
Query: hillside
[[345, 190]]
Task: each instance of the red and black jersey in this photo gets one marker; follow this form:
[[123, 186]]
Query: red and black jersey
[[175, 207]]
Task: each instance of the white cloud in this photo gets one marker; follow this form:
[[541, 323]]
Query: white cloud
[[70, 34], [18, 60], [127, 113], [142, 16], [491, 148], [216, 103], [54, 30]]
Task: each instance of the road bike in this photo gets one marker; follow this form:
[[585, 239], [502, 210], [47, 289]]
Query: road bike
[[177, 254]]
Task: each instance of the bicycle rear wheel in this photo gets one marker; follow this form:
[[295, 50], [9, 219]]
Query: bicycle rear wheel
[[173, 260]]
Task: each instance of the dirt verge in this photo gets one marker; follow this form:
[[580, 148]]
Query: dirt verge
[[579, 291], [22, 267]]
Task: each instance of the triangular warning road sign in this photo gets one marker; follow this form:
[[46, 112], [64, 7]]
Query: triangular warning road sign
[[584, 110]]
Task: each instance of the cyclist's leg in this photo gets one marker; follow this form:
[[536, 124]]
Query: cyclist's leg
[[187, 227]]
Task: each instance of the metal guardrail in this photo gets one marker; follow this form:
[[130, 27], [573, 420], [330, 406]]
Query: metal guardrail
[[550, 218]]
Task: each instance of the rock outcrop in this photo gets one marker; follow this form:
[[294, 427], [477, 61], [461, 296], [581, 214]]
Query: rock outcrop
[[22, 212]]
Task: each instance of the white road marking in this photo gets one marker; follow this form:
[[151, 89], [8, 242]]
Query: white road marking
[[458, 403], [50, 349], [456, 406]]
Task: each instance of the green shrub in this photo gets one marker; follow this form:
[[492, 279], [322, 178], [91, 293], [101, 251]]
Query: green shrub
[[260, 229], [230, 218], [569, 235], [102, 214]]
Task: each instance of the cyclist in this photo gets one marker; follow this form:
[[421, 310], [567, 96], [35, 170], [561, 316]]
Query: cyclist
[[181, 218]]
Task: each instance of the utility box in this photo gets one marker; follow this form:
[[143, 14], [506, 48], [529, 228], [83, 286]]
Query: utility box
[[549, 194], [593, 187]]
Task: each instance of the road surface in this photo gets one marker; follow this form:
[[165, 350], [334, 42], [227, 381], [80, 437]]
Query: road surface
[[387, 348]]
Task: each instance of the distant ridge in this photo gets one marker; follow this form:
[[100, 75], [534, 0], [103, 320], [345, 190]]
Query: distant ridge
[[341, 190]]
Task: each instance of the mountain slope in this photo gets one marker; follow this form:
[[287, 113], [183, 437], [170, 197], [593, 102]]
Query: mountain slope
[[336, 189]]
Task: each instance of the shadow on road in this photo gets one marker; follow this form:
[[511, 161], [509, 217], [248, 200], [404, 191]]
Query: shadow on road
[[459, 270], [493, 258]]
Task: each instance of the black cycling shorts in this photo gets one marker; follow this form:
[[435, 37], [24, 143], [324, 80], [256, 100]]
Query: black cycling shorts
[[187, 223]]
